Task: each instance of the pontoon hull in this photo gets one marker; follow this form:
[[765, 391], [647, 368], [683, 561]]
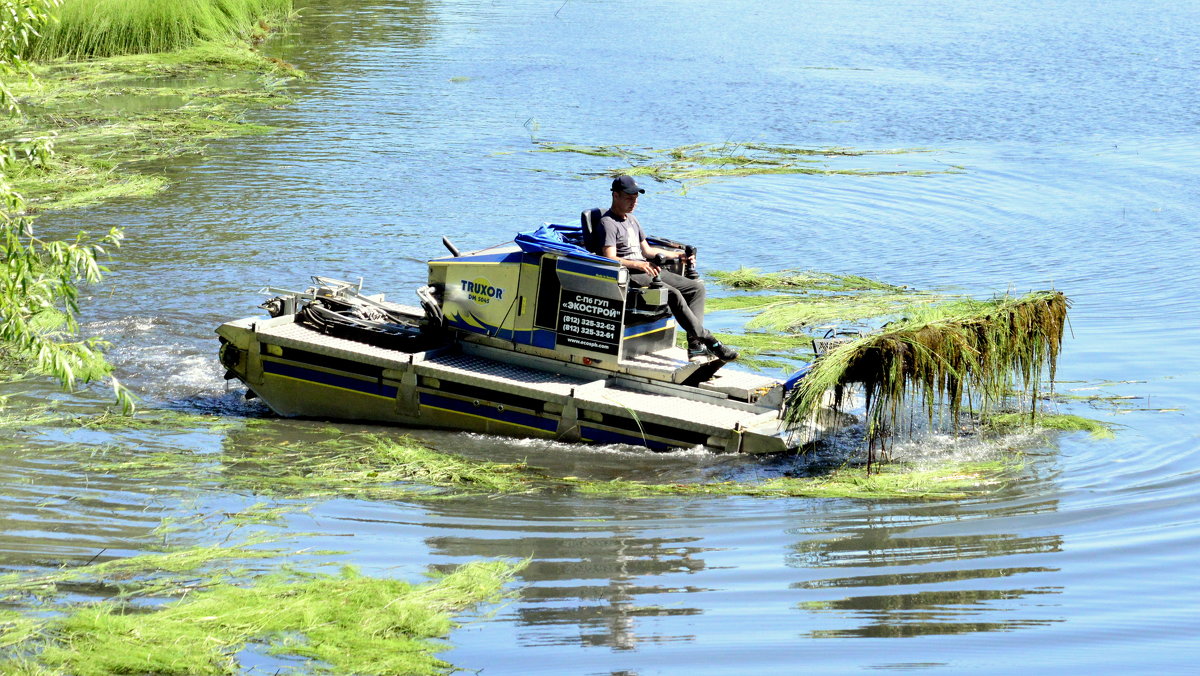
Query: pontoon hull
[[299, 372]]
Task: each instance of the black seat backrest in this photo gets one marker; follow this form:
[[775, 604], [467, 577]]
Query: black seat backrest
[[593, 235]]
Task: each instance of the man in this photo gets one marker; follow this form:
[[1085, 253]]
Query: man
[[624, 241]]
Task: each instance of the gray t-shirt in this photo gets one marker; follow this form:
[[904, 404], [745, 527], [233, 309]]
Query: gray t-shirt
[[625, 235]]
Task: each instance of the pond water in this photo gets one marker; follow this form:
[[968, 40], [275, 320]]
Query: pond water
[[1064, 142]]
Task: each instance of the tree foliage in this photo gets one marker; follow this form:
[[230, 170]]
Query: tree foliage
[[39, 290], [20, 23]]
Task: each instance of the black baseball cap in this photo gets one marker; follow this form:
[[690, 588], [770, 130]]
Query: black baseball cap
[[627, 185]]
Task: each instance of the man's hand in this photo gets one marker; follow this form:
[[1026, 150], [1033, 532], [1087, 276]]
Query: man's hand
[[642, 266]]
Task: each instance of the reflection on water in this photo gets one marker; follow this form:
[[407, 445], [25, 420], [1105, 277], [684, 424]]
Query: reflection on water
[[1071, 133], [593, 583], [874, 548], [927, 613], [934, 589]]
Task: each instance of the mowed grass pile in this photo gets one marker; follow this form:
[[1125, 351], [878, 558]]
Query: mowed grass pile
[[101, 28], [963, 352]]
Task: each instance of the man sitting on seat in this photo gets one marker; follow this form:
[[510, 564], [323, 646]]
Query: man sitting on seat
[[623, 240]]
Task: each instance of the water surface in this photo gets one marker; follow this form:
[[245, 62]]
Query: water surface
[[1068, 134]]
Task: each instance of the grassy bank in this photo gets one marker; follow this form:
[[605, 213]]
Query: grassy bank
[[82, 131], [87, 29], [119, 85]]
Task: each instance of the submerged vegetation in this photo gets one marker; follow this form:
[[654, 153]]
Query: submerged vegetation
[[106, 118], [104, 129]]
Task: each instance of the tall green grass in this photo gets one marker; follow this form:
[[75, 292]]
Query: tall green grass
[[99, 28]]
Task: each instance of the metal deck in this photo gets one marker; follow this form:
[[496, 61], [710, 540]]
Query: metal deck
[[489, 372], [660, 408]]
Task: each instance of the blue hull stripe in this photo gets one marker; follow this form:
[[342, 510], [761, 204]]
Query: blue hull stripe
[[642, 329], [333, 380], [488, 411], [593, 270]]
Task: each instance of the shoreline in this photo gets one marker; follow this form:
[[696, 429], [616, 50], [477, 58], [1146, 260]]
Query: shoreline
[[104, 118]]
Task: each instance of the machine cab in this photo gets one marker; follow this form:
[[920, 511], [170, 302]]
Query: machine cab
[[544, 293]]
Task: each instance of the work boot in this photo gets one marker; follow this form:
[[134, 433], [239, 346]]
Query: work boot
[[720, 350]]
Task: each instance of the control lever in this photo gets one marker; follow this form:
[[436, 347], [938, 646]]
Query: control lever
[[658, 261], [689, 265]]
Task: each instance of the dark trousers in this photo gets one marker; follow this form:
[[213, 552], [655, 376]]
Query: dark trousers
[[685, 297]]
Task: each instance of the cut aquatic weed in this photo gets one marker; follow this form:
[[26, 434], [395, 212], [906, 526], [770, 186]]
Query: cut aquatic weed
[[361, 465], [371, 466], [794, 312], [894, 481], [790, 312], [594, 151], [698, 162], [760, 351], [1009, 422], [145, 574], [375, 467], [942, 356], [713, 160], [751, 279], [804, 299], [343, 623]]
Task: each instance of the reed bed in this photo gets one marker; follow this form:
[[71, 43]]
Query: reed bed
[[102, 28], [942, 357]]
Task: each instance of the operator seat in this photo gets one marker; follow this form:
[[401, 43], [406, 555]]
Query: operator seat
[[638, 308], [593, 235]]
